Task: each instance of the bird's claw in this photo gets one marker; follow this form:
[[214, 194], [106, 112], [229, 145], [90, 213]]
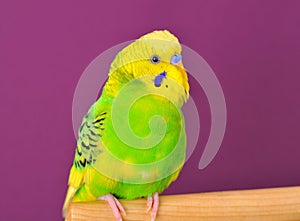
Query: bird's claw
[[152, 203], [115, 205]]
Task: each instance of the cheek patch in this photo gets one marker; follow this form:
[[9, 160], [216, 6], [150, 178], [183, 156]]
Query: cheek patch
[[158, 79]]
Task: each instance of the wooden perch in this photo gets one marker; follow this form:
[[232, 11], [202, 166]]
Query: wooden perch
[[248, 205]]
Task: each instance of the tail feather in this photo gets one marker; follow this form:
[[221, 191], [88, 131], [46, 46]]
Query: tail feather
[[70, 193]]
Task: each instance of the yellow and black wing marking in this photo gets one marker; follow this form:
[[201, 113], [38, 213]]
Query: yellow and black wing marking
[[89, 135]]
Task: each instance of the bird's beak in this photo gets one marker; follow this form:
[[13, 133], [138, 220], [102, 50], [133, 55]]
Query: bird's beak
[[176, 59]]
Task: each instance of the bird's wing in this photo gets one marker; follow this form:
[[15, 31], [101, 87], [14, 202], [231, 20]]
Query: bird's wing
[[89, 135], [90, 132]]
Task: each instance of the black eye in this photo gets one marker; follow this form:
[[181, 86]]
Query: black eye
[[155, 59]]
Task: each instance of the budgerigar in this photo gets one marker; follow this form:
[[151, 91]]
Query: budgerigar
[[132, 141]]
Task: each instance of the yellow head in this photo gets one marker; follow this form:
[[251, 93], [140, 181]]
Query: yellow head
[[157, 55]]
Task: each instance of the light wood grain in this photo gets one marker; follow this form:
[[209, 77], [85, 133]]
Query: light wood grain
[[276, 204]]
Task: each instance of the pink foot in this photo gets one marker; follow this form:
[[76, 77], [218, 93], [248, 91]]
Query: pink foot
[[152, 203], [115, 205]]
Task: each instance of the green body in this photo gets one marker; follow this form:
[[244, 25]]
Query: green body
[[132, 141], [98, 138]]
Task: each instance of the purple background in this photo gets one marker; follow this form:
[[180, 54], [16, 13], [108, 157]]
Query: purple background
[[253, 46]]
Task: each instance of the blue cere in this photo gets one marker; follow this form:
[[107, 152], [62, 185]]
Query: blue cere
[[176, 59]]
